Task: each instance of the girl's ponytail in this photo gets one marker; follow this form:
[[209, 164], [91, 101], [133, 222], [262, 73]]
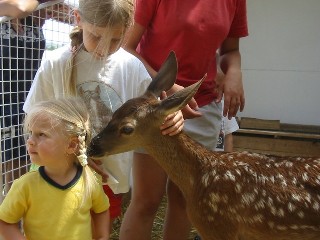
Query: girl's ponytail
[[69, 80]]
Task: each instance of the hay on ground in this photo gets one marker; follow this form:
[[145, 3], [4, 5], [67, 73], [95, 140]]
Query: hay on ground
[[157, 225]]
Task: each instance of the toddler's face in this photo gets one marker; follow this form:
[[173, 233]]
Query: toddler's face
[[46, 143], [101, 41]]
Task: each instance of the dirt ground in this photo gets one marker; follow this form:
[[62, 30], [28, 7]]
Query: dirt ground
[[157, 226]]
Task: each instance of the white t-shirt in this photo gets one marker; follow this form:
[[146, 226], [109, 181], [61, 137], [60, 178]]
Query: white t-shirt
[[104, 85]]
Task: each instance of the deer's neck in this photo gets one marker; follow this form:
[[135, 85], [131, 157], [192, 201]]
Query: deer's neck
[[180, 157]]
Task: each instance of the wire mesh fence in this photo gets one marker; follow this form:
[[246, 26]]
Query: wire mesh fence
[[23, 43]]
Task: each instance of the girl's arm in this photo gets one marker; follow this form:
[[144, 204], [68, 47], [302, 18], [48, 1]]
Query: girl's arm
[[101, 225], [10, 231]]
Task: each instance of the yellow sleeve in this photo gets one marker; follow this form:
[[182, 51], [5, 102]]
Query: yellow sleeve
[[100, 201], [14, 204]]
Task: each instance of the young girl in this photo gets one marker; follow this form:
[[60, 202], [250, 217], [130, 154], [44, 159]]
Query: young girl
[[56, 201], [103, 74]]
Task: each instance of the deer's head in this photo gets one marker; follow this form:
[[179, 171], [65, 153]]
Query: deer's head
[[138, 117]]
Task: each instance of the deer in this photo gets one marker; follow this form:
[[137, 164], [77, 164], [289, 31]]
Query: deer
[[229, 196]]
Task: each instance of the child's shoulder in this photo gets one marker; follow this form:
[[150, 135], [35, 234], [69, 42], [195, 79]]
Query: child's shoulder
[[26, 181], [28, 177], [125, 57], [59, 54]]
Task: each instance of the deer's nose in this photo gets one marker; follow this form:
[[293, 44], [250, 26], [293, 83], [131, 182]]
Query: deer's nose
[[94, 149]]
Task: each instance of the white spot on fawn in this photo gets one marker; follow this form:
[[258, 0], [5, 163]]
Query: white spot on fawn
[[301, 214], [248, 198], [305, 177], [205, 179], [295, 197], [238, 188], [289, 164], [282, 228], [291, 207], [229, 176]]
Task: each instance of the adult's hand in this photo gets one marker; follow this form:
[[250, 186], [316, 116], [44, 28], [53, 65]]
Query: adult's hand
[[190, 110], [231, 88], [231, 85], [17, 8]]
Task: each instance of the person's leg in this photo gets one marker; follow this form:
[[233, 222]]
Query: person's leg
[[149, 181], [177, 226]]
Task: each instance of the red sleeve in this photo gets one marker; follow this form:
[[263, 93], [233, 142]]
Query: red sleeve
[[239, 26], [145, 10]]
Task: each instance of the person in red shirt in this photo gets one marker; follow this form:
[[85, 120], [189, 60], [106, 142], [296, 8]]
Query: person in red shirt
[[195, 30]]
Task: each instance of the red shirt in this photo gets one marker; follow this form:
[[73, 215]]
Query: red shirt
[[194, 29]]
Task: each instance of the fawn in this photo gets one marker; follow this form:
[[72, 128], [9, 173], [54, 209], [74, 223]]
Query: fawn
[[229, 196]]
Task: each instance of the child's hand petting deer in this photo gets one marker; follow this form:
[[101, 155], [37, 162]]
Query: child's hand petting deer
[[229, 196]]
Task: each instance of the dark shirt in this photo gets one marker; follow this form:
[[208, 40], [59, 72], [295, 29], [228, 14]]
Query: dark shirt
[[19, 61]]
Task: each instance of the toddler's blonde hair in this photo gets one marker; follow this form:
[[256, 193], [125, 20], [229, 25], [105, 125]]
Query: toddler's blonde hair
[[72, 114]]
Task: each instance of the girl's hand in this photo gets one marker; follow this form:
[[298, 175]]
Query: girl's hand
[[173, 124], [96, 165]]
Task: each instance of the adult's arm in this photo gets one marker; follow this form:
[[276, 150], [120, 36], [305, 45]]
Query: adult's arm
[[132, 39], [10, 231], [131, 42], [17, 8], [231, 86]]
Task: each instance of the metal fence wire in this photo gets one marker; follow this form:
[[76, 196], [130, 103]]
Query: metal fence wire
[[23, 43]]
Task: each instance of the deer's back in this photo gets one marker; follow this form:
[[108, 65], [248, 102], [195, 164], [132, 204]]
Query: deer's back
[[258, 195]]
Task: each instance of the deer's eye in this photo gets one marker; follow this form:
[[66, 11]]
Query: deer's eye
[[126, 130]]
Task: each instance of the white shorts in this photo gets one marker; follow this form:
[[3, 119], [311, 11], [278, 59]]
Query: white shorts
[[206, 129]]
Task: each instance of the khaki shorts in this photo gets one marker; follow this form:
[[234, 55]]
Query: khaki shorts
[[206, 128]]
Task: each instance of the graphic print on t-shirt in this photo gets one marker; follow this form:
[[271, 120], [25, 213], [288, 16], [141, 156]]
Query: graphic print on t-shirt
[[101, 100]]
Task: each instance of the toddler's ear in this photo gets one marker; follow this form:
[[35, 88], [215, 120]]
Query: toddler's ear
[[77, 18], [73, 146]]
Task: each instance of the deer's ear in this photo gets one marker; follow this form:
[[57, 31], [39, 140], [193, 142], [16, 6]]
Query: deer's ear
[[166, 76], [180, 99]]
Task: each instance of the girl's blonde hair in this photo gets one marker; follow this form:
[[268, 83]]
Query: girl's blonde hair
[[73, 116], [101, 13]]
